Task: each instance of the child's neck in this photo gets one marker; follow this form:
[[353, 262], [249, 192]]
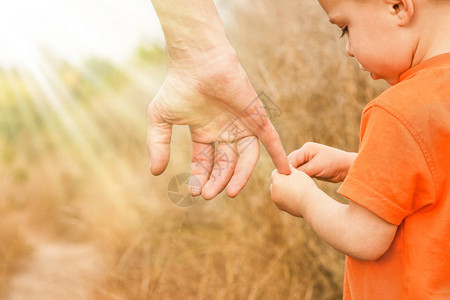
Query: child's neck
[[434, 37]]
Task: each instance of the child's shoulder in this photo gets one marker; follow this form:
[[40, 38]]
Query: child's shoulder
[[418, 107], [424, 91]]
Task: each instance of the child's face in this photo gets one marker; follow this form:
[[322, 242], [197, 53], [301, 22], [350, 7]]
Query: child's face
[[374, 36]]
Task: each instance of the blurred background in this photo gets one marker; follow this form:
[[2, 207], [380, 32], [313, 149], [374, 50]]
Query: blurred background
[[81, 216]]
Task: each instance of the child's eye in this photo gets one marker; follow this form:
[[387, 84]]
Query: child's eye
[[344, 31]]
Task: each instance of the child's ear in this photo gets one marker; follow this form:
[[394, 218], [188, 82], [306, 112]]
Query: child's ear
[[402, 9]]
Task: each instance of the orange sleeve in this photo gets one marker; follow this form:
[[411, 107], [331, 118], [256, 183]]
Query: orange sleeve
[[390, 175]]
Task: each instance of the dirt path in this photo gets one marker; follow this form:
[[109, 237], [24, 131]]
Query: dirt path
[[57, 270]]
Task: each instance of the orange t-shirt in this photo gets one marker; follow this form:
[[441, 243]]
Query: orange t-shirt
[[402, 174]]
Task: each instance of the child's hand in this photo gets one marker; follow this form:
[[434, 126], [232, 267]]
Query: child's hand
[[288, 192], [322, 162]]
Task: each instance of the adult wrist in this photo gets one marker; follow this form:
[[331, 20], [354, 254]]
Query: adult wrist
[[211, 58], [187, 45], [190, 26]]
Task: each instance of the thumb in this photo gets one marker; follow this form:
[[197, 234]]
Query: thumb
[[303, 155], [310, 168], [158, 141]]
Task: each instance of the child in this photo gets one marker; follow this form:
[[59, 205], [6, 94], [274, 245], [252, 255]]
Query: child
[[395, 230]]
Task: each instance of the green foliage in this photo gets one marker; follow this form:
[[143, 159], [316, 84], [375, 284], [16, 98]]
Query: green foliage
[[101, 73], [152, 55], [96, 77]]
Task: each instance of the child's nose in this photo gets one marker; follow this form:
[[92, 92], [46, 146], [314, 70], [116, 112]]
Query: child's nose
[[348, 48]]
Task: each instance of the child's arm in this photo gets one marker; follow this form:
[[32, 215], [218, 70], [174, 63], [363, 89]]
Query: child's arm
[[351, 229]]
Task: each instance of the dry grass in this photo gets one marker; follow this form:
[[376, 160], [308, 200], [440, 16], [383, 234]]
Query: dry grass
[[14, 248], [78, 171]]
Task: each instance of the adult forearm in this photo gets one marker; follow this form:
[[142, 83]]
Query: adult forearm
[[190, 26]]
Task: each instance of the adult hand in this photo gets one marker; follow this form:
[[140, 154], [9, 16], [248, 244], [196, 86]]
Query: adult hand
[[212, 94], [322, 162], [207, 89]]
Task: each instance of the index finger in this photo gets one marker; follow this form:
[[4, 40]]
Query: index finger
[[271, 140], [253, 113], [255, 116]]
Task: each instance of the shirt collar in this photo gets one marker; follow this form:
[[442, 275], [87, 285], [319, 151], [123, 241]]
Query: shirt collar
[[434, 61]]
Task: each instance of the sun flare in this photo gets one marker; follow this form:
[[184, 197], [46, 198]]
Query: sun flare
[[74, 30], [62, 63]]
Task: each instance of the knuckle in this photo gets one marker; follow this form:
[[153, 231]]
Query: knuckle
[[303, 169], [225, 159], [265, 131]]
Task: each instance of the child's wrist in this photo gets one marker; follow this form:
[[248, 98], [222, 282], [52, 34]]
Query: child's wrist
[[308, 200]]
